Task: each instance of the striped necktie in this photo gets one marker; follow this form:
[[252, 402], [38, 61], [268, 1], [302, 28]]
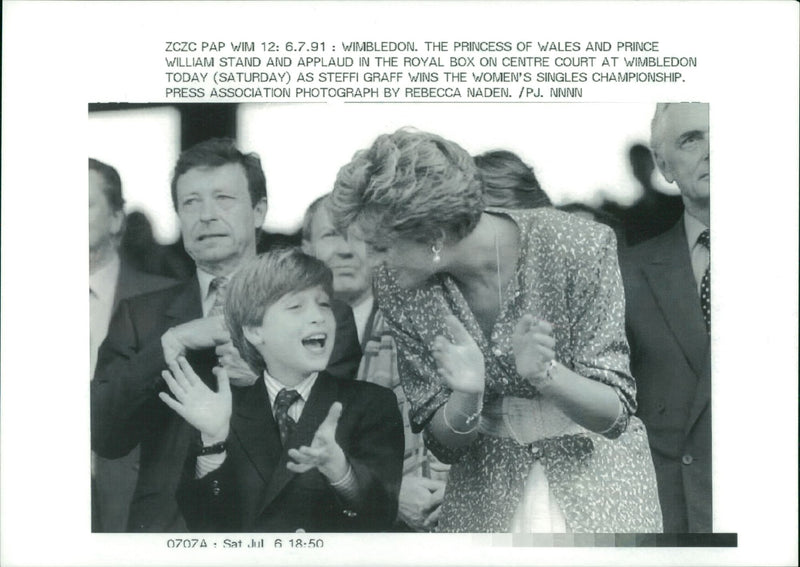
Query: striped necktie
[[219, 286], [283, 401]]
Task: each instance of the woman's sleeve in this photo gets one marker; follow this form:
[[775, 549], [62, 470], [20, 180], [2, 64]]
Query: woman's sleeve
[[418, 375], [599, 346], [425, 392]]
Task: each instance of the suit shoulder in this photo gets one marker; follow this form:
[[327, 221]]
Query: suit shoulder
[[549, 235], [361, 390], [139, 282], [155, 282], [156, 298], [560, 227], [645, 251]]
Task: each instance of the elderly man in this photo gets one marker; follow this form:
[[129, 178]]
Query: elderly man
[[667, 288], [220, 196], [110, 281], [424, 476]]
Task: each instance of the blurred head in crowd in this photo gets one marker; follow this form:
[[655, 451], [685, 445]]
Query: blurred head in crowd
[[680, 144], [409, 195], [509, 182], [279, 315], [105, 206], [345, 254], [642, 165], [138, 232], [220, 195]]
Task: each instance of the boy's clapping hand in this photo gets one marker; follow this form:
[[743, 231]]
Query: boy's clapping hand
[[324, 453], [207, 411]]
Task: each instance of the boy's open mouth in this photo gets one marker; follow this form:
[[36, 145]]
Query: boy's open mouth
[[315, 342]]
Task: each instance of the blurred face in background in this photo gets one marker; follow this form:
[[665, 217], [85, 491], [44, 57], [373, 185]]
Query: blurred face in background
[[345, 255], [218, 220], [104, 223]]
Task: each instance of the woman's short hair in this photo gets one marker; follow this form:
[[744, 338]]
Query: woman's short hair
[[259, 284], [217, 152], [409, 185], [509, 182]]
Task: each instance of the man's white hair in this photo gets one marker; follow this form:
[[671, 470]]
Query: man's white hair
[[657, 126]]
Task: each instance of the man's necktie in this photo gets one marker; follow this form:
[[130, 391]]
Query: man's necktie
[[219, 286], [705, 283], [283, 401]]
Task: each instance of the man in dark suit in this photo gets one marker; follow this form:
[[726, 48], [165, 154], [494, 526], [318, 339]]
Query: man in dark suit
[[111, 279], [667, 289], [220, 196]]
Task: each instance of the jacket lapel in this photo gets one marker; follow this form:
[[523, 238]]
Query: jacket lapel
[[702, 397], [132, 282], [254, 426], [322, 396], [187, 305], [671, 280], [127, 283]]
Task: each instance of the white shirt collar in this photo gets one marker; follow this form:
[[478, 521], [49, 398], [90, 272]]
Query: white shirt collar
[[693, 229], [205, 280], [361, 314], [103, 283], [274, 386]]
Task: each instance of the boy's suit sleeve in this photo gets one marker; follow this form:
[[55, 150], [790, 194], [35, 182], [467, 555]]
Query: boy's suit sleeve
[[209, 504], [374, 449]]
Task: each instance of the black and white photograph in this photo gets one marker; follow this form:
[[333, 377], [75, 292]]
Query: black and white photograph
[[392, 293]]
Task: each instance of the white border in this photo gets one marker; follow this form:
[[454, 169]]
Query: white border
[[59, 56]]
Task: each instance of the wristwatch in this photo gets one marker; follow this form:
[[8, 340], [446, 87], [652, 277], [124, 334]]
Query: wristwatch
[[214, 449]]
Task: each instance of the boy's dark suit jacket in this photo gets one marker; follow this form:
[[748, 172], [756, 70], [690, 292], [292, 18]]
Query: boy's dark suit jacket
[[126, 409], [671, 362], [253, 491]]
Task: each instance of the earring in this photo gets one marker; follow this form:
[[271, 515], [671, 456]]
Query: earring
[[436, 249]]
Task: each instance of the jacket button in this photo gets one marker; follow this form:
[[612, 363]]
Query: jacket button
[[687, 459], [349, 513], [299, 531]]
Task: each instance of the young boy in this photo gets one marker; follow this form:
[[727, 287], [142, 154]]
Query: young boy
[[299, 450]]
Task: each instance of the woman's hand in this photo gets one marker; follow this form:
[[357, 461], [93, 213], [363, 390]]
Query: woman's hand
[[460, 362], [533, 346], [207, 411]]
